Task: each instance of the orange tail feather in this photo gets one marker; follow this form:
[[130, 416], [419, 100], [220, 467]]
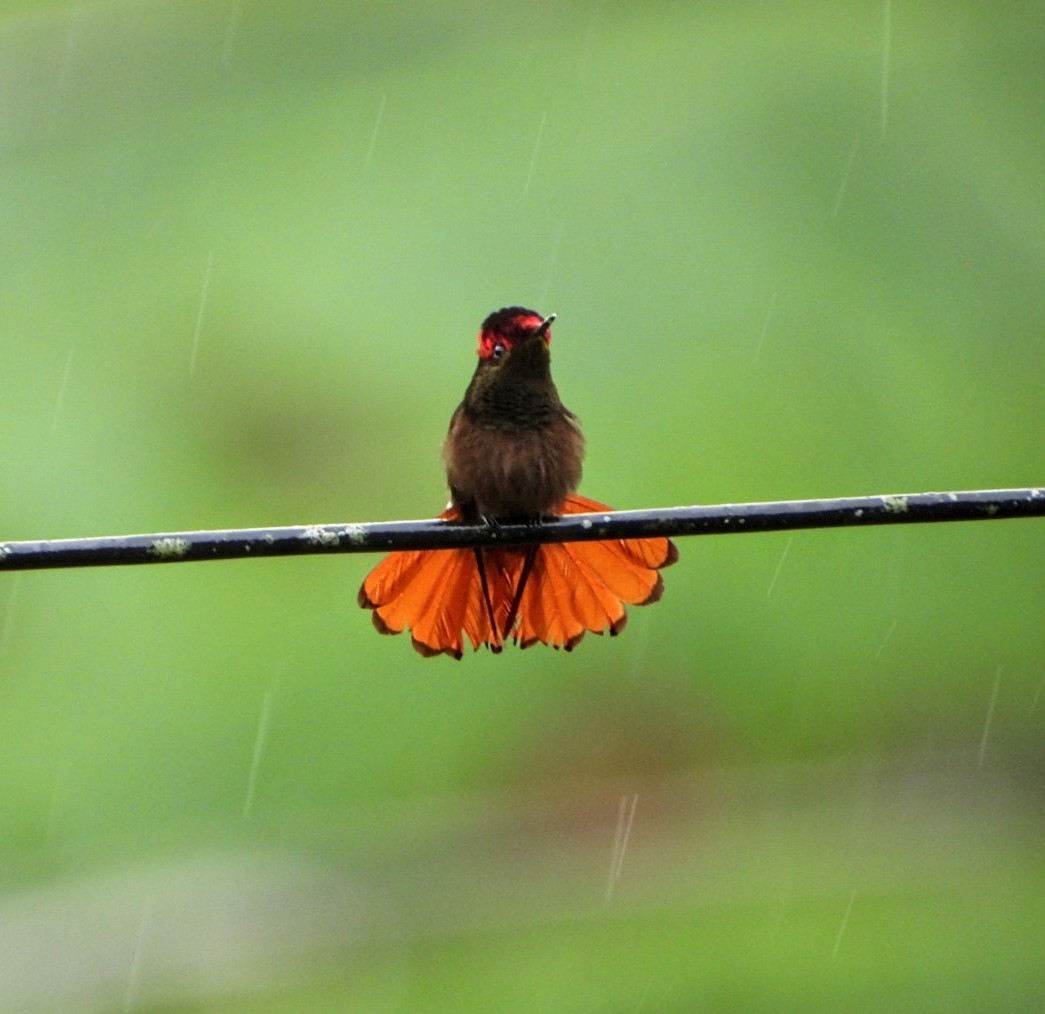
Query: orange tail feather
[[573, 587]]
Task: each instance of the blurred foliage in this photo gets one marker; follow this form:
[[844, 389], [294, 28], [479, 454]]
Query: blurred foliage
[[796, 251]]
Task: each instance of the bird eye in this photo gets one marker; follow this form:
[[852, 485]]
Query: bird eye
[[498, 350]]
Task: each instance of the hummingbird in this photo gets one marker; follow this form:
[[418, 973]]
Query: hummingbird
[[513, 453]]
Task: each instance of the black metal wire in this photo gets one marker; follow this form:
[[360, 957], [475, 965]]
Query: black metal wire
[[381, 536]]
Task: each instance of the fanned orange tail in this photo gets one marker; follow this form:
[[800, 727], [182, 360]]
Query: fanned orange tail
[[572, 587]]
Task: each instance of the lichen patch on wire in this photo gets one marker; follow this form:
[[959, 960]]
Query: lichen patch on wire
[[170, 548]]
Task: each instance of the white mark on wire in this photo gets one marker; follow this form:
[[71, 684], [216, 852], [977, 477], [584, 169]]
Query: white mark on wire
[[129, 997], [990, 716], [842, 928], [625, 818], [887, 31], [204, 292], [373, 133], [779, 566], [765, 326], [63, 386], [847, 172], [534, 154], [259, 748]]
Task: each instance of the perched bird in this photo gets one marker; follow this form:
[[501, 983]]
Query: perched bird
[[513, 453]]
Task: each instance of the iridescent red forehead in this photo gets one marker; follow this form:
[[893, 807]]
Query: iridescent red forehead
[[507, 326]]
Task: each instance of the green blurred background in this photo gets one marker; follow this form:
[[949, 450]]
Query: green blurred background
[[797, 250]]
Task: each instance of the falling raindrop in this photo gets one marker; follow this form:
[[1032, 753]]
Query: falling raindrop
[[200, 311], [553, 254], [847, 172], [584, 58], [373, 133], [1037, 696], [72, 41], [842, 928], [990, 716], [9, 614], [765, 326], [259, 748], [134, 976], [63, 385], [231, 26], [779, 566], [888, 634], [887, 31], [625, 818], [534, 153], [59, 793]]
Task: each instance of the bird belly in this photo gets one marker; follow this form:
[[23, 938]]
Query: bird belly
[[524, 473]]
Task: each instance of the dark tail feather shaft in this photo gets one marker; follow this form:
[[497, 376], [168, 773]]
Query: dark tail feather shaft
[[484, 584], [527, 567]]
